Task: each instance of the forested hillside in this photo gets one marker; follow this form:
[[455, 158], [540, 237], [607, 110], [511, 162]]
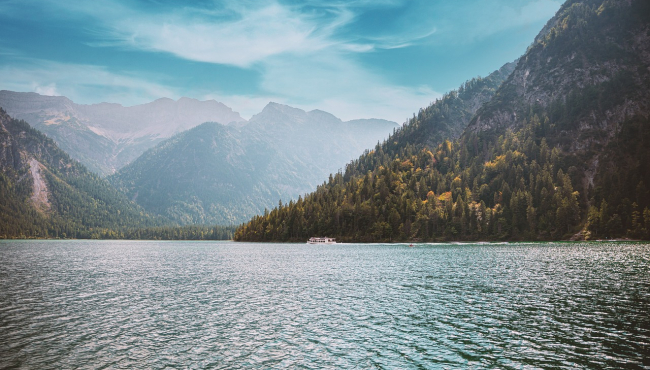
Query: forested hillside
[[560, 151], [44, 193], [445, 119]]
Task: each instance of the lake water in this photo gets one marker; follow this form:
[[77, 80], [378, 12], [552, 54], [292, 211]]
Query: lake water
[[134, 304]]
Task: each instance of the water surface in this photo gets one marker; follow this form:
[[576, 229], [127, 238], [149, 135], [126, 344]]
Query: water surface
[[134, 304]]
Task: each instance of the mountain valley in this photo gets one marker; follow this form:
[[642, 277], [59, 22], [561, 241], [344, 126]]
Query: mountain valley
[[551, 146], [213, 173]]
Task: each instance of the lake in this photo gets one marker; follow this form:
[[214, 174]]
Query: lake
[[225, 305]]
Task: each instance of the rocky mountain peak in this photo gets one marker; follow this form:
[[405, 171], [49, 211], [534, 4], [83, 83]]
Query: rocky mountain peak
[[275, 113], [579, 52], [106, 136]]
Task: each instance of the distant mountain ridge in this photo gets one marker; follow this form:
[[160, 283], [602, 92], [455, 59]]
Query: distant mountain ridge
[[222, 170], [225, 174], [107, 136]]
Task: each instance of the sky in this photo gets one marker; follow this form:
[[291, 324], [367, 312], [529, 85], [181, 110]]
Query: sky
[[355, 59]]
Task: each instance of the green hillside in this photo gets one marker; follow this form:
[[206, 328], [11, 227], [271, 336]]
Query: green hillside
[[206, 174]]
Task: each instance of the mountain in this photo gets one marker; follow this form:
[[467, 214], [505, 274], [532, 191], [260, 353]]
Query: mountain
[[105, 137], [44, 193], [444, 119], [584, 86], [224, 174], [559, 151]]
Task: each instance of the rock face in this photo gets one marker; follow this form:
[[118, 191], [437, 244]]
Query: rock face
[[447, 117], [588, 73], [39, 198], [580, 55], [226, 174], [106, 136]]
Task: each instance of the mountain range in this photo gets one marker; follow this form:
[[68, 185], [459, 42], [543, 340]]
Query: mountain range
[[45, 193], [105, 137], [225, 174], [222, 170], [551, 146]]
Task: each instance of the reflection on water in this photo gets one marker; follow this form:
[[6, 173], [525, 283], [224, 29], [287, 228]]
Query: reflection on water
[[125, 304]]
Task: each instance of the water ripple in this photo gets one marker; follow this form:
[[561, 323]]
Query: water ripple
[[122, 304]]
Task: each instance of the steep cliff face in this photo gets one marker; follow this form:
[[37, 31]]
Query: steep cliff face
[[587, 70], [584, 87], [448, 117], [44, 193], [445, 119], [21, 145]]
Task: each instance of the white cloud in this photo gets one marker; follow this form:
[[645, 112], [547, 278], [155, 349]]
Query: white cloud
[[237, 33], [302, 61], [47, 90], [502, 16], [330, 82], [333, 83], [338, 87], [471, 21], [391, 103], [254, 35]]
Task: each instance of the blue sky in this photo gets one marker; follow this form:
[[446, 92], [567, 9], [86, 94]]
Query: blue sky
[[355, 59]]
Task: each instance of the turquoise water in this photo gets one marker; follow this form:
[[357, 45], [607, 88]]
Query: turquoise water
[[126, 304]]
